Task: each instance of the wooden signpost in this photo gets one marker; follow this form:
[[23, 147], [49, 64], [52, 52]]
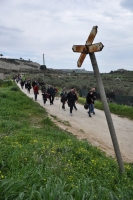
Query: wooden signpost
[[90, 48]]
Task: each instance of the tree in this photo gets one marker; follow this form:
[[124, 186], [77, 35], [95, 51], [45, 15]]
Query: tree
[[43, 67], [20, 58], [1, 55], [111, 72]]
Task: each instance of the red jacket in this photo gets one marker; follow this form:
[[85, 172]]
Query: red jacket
[[36, 89]]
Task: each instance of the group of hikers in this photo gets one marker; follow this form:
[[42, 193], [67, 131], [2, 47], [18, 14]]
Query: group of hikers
[[49, 92]]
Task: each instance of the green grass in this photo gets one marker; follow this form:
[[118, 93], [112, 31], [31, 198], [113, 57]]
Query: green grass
[[121, 110], [40, 161]]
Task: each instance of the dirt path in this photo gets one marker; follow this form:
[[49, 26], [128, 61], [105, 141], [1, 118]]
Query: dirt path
[[94, 130]]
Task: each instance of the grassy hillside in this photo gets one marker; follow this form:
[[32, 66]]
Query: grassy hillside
[[40, 161]]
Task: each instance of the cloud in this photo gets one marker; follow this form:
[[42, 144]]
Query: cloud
[[30, 28], [127, 4]]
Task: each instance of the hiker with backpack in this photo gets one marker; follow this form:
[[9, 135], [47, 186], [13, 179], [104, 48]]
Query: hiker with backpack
[[71, 97], [22, 84], [51, 93], [44, 96], [25, 82], [43, 88], [76, 98], [29, 86], [44, 93], [63, 96], [89, 101]]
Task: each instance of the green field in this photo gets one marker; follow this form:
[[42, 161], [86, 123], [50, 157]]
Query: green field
[[39, 161]]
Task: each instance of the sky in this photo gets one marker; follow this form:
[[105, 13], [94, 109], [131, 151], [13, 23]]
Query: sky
[[31, 28]]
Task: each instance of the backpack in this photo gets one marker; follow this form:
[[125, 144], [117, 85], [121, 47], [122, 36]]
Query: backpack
[[64, 96], [43, 89]]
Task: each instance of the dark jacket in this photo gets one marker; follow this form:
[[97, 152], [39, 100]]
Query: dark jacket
[[44, 95], [76, 96], [29, 85], [43, 89], [94, 95], [89, 98], [22, 83], [71, 97], [51, 91], [33, 83]]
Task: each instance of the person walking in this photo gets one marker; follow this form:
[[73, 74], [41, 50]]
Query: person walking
[[76, 98], [89, 100], [36, 89], [28, 86], [63, 96], [44, 93], [71, 97], [44, 96], [22, 84], [25, 82], [51, 93], [43, 88], [94, 98]]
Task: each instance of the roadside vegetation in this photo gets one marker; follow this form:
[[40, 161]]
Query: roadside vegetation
[[39, 161], [121, 83]]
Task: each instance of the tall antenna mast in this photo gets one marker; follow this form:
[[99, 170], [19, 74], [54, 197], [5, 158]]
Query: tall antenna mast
[[43, 60]]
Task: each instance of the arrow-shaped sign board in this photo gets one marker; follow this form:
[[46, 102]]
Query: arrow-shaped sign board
[[92, 35], [85, 49], [81, 59], [88, 42]]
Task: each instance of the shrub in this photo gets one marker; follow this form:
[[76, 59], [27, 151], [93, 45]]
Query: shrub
[[7, 83], [1, 82], [14, 88], [131, 93]]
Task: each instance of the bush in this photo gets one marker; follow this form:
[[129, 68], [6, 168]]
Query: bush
[[131, 93], [1, 82], [14, 88], [7, 83]]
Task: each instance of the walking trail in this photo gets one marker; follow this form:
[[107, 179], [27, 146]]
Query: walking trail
[[94, 130]]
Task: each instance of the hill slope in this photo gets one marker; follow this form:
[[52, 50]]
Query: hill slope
[[17, 65]]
